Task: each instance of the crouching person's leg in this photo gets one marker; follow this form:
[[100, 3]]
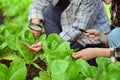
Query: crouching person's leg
[[52, 17], [114, 38]]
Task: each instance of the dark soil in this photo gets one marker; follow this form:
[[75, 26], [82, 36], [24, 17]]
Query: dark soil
[[31, 70], [6, 62]]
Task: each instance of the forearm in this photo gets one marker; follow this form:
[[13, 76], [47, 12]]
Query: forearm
[[102, 52]]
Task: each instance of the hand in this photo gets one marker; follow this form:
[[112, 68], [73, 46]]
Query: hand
[[86, 54], [93, 34], [90, 53], [35, 47]]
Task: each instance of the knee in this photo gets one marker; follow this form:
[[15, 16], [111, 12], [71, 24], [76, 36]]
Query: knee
[[115, 33], [114, 37]]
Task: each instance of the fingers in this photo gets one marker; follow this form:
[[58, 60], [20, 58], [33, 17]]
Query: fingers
[[35, 47], [39, 44], [91, 38], [92, 34], [79, 55], [76, 55]]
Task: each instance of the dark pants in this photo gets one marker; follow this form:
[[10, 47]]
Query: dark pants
[[52, 17]]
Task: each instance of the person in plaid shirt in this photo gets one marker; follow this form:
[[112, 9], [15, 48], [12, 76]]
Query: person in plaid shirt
[[112, 39], [67, 17]]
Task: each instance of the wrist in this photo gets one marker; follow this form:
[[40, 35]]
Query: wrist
[[104, 39], [100, 37], [102, 52], [37, 21]]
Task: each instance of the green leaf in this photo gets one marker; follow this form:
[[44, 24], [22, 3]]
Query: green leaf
[[10, 56], [73, 71], [102, 66], [3, 72], [37, 78], [2, 38], [3, 45], [113, 66], [44, 76], [41, 38], [27, 54], [4, 52], [112, 75], [53, 37], [58, 69], [27, 36], [84, 67], [13, 42], [17, 70]]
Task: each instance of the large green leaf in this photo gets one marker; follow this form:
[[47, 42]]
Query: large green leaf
[[3, 72], [13, 42], [26, 54], [17, 70], [58, 69], [102, 66], [5, 52], [37, 78], [84, 67], [45, 76], [73, 71], [53, 37], [3, 45]]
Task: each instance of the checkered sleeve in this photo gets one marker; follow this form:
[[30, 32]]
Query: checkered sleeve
[[83, 19], [36, 8], [69, 34]]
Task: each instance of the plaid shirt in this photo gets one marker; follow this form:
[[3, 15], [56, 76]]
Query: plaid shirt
[[85, 14]]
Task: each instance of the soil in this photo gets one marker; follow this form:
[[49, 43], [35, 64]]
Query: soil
[[31, 70], [6, 62]]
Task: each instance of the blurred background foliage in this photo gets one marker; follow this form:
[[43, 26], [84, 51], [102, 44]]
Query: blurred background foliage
[[15, 12]]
